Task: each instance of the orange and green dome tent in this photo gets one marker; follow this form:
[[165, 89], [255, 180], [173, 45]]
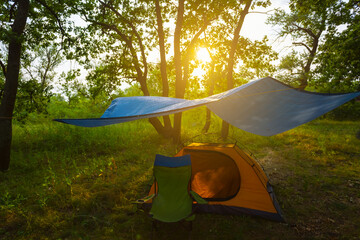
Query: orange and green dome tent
[[230, 180]]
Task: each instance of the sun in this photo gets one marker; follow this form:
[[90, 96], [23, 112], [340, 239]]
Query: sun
[[203, 55]]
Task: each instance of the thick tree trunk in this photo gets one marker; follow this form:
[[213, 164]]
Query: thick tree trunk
[[11, 83], [5, 143], [231, 62], [179, 84]]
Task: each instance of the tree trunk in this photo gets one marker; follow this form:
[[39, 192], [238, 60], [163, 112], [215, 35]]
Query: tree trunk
[[207, 121], [164, 131], [179, 84], [11, 83], [211, 83], [305, 76], [231, 62], [165, 83]]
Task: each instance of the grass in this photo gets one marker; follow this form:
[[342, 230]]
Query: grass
[[68, 182]]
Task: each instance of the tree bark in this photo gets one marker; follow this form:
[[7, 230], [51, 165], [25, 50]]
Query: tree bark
[[155, 122], [211, 83], [231, 62], [186, 55], [141, 78], [160, 30], [163, 64], [304, 78], [166, 129], [208, 112], [179, 84], [11, 83]]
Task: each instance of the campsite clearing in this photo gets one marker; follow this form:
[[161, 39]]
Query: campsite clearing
[[76, 183]]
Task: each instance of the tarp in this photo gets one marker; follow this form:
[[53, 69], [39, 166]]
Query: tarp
[[265, 107]]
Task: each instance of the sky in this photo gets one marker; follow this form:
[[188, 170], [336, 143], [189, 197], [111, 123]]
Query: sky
[[255, 28]]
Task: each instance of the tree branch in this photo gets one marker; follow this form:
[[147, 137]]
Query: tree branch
[[12, 10], [195, 38], [53, 13], [133, 28], [113, 28], [267, 12], [50, 64], [3, 67], [308, 31], [128, 42], [29, 72], [302, 44]]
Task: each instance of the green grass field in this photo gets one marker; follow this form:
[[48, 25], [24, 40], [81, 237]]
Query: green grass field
[[68, 182]]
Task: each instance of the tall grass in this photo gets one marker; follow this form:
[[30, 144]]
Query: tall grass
[[69, 182]]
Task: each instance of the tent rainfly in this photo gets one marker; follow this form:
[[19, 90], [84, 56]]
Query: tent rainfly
[[265, 107]]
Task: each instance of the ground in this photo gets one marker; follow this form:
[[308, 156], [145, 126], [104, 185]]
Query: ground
[[74, 183]]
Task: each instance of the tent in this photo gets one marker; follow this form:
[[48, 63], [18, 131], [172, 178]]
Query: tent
[[265, 107], [231, 181]]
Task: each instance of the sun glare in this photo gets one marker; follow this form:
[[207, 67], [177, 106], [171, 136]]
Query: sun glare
[[203, 55]]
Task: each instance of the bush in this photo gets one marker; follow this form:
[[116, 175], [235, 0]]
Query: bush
[[348, 111]]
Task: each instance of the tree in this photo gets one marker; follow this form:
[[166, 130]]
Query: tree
[[163, 64], [305, 24], [192, 27], [126, 28], [103, 80], [35, 84], [327, 31], [199, 16], [231, 58], [290, 68], [11, 72], [46, 25], [338, 63], [137, 27], [210, 85], [254, 59], [70, 86]]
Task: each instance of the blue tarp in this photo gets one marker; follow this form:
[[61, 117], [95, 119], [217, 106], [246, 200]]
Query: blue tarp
[[265, 107]]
